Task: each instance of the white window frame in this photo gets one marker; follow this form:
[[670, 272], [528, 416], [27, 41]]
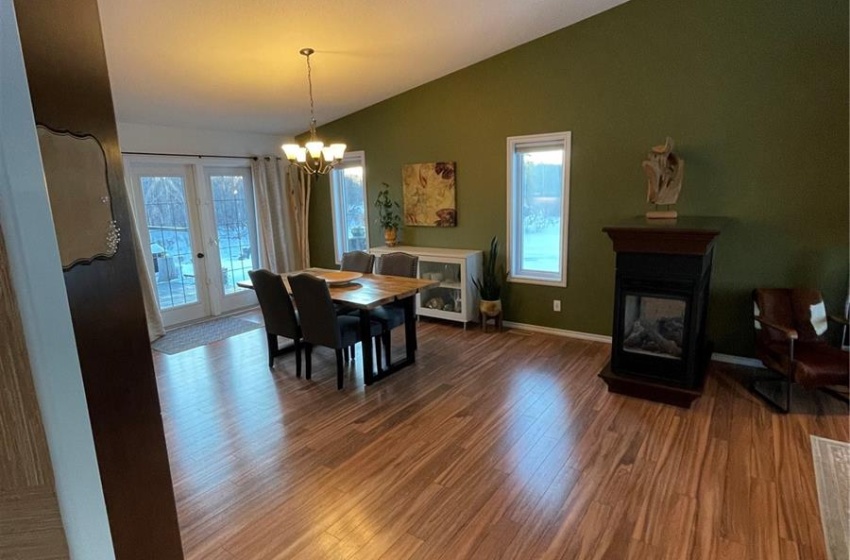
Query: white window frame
[[351, 159], [514, 220]]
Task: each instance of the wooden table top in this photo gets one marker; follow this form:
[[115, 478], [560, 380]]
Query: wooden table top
[[367, 292]]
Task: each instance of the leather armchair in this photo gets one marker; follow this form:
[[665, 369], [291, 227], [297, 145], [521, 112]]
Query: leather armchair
[[790, 335]]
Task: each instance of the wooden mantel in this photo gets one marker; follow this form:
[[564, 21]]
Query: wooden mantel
[[687, 235]]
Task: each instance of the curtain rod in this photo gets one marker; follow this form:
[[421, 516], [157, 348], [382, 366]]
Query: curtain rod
[[199, 156]]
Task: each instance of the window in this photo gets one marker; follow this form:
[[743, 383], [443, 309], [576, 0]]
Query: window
[[348, 202], [538, 208]]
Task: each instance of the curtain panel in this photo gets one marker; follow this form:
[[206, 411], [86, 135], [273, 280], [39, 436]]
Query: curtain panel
[[156, 329], [282, 195]]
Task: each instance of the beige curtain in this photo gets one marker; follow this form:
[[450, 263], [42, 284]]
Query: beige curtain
[[282, 195], [154, 318]]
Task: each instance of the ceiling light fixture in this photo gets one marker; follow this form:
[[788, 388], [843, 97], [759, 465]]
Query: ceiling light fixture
[[313, 157]]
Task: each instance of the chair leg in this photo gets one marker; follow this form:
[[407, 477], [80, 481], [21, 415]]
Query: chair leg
[[353, 352], [271, 340], [338, 352], [298, 359], [766, 389], [308, 351], [387, 336]]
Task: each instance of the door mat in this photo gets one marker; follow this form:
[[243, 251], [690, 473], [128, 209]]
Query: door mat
[[201, 334], [832, 473]]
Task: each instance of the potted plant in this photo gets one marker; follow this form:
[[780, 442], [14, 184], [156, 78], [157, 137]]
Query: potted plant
[[388, 218], [490, 285]]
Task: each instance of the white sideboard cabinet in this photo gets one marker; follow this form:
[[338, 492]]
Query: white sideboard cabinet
[[456, 298]]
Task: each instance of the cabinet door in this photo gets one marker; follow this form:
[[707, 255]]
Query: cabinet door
[[446, 299]]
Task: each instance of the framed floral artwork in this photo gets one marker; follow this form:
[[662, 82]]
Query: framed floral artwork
[[429, 194]]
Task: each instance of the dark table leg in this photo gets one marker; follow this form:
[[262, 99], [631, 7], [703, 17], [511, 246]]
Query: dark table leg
[[366, 339], [410, 328], [409, 306]]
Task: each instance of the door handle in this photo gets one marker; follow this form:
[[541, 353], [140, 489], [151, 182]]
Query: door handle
[[200, 255]]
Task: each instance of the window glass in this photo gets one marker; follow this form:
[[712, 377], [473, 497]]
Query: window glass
[[233, 208], [170, 239], [538, 168], [348, 187]]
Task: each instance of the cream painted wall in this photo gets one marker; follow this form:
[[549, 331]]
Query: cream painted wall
[[135, 137]]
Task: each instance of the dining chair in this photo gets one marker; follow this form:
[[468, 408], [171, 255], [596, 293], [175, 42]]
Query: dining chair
[[357, 261], [279, 314], [320, 324], [391, 315]]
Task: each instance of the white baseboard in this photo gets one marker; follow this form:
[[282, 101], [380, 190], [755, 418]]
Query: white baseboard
[[559, 332], [717, 357]]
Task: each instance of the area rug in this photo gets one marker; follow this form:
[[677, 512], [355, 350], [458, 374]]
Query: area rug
[[832, 473], [200, 334]]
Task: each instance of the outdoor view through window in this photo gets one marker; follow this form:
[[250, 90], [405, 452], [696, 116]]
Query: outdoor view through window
[[349, 207], [542, 185], [168, 221], [171, 245]]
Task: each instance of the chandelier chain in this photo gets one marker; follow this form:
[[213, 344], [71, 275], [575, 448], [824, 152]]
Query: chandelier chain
[[310, 88]]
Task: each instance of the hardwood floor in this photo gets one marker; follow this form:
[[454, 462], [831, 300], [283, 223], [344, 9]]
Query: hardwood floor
[[491, 446]]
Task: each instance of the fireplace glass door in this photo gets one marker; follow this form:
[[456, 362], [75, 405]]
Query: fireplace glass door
[[654, 326]]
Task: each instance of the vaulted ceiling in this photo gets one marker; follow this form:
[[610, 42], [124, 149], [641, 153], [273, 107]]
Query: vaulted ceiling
[[234, 65]]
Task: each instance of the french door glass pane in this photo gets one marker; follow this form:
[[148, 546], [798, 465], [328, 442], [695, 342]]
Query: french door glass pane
[[353, 215], [542, 202], [171, 242], [233, 229]]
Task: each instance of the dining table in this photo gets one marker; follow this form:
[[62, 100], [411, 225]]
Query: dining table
[[365, 293]]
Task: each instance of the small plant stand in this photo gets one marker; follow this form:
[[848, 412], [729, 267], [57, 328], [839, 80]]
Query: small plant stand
[[497, 320]]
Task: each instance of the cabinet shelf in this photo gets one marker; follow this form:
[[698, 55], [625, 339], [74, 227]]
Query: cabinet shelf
[[455, 297]]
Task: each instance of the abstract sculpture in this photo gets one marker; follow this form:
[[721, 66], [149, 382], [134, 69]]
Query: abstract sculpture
[[664, 171]]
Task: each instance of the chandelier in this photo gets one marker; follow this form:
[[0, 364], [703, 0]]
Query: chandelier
[[313, 157]]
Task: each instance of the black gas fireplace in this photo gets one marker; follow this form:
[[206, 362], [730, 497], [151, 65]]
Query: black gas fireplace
[[659, 350]]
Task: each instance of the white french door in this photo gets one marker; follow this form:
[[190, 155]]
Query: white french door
[[200, 224], [233, 234]]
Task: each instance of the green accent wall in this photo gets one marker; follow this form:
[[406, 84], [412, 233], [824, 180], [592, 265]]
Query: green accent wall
[[754, 92]]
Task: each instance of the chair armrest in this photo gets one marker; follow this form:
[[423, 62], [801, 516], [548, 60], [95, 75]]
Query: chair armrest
[[787, 332], [839, 320]]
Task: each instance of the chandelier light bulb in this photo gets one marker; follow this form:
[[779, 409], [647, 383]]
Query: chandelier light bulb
[[337, 150], [291, 151]]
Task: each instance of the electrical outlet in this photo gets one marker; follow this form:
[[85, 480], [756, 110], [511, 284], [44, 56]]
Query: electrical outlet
[[556, 305]]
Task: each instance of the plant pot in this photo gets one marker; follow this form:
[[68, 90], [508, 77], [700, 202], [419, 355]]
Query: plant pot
[[391, 237], [490, 308]]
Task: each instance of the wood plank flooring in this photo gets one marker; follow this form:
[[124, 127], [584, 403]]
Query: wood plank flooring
[[496, 445]]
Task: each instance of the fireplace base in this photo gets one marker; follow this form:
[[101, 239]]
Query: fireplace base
[[646, 389]]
